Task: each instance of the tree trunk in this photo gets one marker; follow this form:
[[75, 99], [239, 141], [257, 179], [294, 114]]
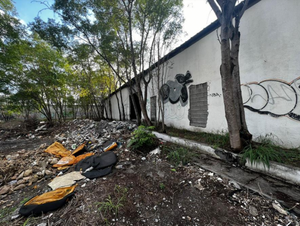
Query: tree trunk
[[135, 108], [122, 105], [235, 46], [228, 94], [110, 109], [119, 108]]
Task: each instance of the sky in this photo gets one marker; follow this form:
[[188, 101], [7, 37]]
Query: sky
[[197, 13]]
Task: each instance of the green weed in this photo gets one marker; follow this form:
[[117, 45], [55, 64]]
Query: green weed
[[162, 186], [178, 155], [6, 212], [263, 152], [114, 203], [217, 140]]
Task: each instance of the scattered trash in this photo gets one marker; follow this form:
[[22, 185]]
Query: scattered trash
[[156, 151], [102, 165], [276, 205], [66, 180], [71, 160], [110, 147], [58, 150], [47, 202]]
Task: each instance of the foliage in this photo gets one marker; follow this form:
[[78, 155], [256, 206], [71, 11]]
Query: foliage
[[162, 186], [263, 152], [142, 137], [6, 211], [217, 140], [115, 202], [178, 155], [122, 34]]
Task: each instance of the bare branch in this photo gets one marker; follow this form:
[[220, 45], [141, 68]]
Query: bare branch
[[246, 2], [216, 9]]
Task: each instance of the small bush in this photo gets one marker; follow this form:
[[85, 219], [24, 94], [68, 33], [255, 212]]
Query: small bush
[[142, 139]]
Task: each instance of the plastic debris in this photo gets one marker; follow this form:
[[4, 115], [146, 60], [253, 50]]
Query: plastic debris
[[66, 180], [58, 150], [47, 202]]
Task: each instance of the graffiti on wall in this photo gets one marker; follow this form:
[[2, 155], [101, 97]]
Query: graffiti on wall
[[273, 97], [174, 91]]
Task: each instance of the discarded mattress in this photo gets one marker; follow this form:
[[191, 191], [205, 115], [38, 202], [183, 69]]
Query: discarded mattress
[[47, 202], [58, 150], [65, 180], [97, 166]]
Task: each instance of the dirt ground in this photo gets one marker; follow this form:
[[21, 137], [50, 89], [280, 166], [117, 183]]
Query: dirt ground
[[141, 190]]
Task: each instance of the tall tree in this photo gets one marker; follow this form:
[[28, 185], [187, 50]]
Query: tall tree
[[118, 27], [229, 16]]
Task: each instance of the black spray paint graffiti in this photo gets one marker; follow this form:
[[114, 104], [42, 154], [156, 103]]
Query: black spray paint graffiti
[[174, 91], [273, 97], [215, 95]]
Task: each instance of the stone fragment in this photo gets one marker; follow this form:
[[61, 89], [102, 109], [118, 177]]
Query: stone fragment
[[53, 161], [253, 211], [5, 189], [19, 187], [27, 173], [20, 176]]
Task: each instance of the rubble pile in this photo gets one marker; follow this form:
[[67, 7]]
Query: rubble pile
[[22, 169], [97, 133]]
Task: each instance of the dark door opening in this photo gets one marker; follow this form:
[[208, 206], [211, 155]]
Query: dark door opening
[[132, 112]]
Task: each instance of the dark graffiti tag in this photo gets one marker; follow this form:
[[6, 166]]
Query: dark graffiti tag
[[215, 95], [273, 97], [174, 91]]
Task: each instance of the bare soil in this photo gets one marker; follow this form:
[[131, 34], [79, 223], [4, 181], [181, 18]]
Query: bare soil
[[154, 193]]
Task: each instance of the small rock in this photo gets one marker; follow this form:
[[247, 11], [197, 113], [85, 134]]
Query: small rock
[[4, 189], [27, 173], [21, 182], [19, 187], [53, 161], [48, 172], [20, 176], [119, 166], [42, 224], [253, 211], [34, 178], [15, 217], [13, 182]]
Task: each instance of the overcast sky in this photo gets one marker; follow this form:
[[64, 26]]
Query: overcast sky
[[197, 13]]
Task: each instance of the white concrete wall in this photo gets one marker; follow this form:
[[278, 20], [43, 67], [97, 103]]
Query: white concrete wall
[[114, 105], [270, 50]]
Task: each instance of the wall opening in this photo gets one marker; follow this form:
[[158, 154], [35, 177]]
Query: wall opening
[[153, 108], [132, 112], [198, 112]]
